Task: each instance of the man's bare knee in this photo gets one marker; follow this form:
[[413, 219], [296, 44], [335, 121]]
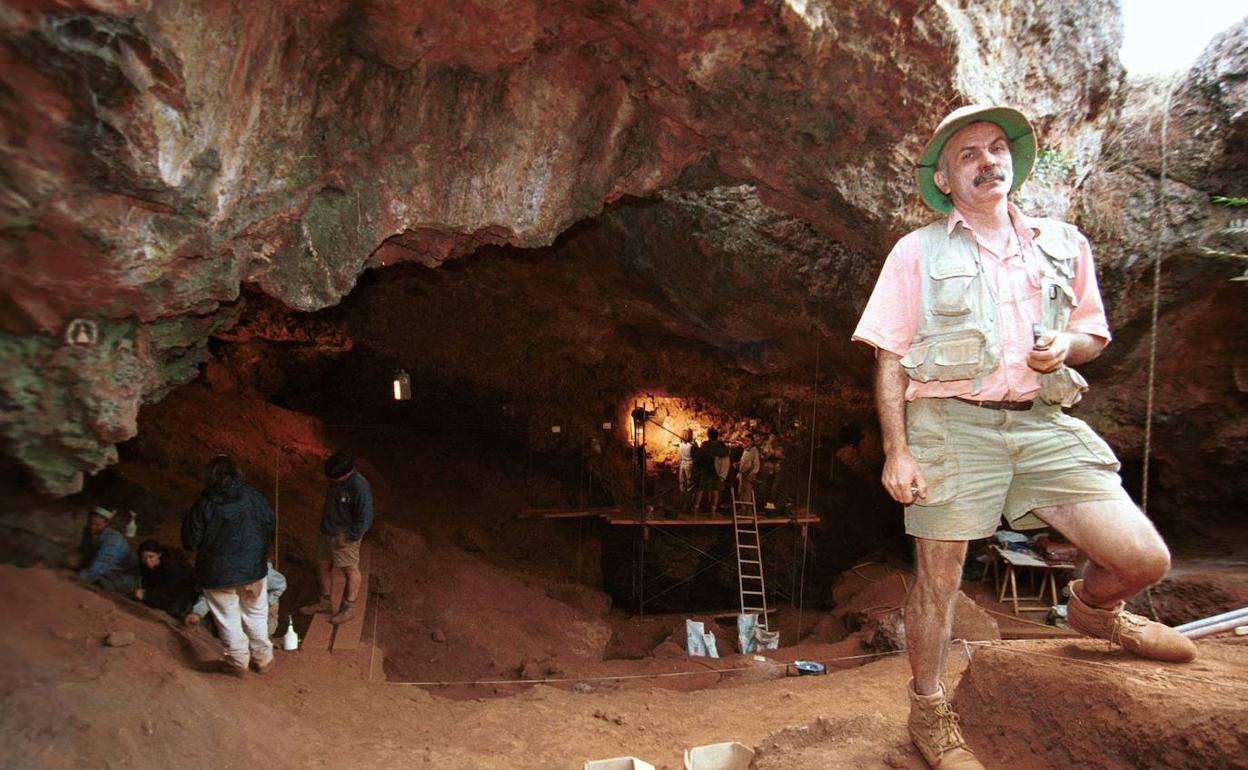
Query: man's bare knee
[[1150, 564], [939, 585]]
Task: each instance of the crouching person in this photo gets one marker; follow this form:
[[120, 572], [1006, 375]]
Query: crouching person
[[104, 557], [165, 580], [229, 528]]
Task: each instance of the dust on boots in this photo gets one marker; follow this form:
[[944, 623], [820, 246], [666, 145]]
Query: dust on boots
[[935, 731], [344, 614], [1134, 633], [322, 605]]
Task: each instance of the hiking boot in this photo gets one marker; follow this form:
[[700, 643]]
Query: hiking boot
[[261, 668], [322, 605], [344, 613], [936, 734], [1134, 633]]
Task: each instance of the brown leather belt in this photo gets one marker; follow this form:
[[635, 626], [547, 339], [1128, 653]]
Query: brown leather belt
[[1008, 406]]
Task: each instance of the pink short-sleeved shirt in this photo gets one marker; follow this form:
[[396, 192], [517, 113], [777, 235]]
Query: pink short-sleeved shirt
[[891, 317]]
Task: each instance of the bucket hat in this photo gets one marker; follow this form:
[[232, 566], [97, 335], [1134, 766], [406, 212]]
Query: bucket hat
[[1017, 130]]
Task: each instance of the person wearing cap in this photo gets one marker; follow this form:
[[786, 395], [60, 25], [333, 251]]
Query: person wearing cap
[[976, 320], [104, 558], [229, 529], [347, 515]]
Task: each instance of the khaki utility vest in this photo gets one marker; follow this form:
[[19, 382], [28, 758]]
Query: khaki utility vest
[[957, 337]]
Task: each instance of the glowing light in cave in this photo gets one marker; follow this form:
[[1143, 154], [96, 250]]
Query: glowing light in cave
[[402, 386], [667, 417]]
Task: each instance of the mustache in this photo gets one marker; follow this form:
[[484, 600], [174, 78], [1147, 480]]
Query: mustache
[[992, 174]]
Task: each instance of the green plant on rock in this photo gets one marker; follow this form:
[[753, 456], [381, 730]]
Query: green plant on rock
[[1236, 227], [1053, 165]]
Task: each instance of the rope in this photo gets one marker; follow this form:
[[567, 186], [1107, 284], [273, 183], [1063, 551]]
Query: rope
[[1163, 226], [372, 649], [277, 509], [1019, 619], [629, 677], [1163, 223], [810, 479]]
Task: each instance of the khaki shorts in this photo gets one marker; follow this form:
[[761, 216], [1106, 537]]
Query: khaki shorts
[[982, 464], [337, 550]]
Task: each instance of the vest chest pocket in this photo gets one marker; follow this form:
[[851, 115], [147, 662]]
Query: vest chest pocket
[[961, 355], [951, 286], [1061, 249]]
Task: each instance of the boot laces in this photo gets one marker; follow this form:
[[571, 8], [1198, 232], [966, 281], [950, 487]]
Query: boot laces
[[945, 731], [1127, 625]]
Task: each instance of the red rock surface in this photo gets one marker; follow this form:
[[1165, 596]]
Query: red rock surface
[[161, 154]]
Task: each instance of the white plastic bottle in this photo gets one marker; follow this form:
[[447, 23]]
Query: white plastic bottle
[[290, 641]]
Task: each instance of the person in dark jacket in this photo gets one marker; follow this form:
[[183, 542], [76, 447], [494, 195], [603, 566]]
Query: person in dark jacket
[[229, 528], [104, 558], [710, 468], [348, 514], [165, 580]]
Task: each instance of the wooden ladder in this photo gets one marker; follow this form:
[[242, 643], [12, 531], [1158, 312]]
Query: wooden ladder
[[749, 559]]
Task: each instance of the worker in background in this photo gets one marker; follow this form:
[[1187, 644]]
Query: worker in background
[[347, 515], [685, 452], [747, 472], [104, 558], [711, 465], [165, 579], [229, 528]]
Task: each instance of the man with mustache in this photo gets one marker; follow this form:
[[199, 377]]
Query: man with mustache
[[975, 320]]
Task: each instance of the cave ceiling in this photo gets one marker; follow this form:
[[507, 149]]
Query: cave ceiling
[[544, 198]]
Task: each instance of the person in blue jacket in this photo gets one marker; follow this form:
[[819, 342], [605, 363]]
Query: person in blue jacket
[[229, 529], [347, 515], [104, 557]]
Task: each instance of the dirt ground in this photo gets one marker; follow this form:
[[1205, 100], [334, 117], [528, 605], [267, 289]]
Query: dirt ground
[[71, 701], [493, 651]]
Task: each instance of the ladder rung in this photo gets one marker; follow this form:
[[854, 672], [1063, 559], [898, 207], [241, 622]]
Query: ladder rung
[[750, 561], [753, 593], [751, 577], [757, 609], [747, 545]]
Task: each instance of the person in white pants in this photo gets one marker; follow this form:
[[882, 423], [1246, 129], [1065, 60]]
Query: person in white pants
[[242, 617], [229, 529]]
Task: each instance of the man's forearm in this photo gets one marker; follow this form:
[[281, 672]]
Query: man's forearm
[[890, 400], [1083, 348]]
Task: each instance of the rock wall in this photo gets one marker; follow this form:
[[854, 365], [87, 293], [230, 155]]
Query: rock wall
[[159, 154], [1199, 440]]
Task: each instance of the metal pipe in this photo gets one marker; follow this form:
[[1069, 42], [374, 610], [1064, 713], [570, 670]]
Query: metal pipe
[[1215, 628], [1242, 612]]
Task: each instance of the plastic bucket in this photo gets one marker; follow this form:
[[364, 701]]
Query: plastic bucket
[[719, 756], [618, 763]]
